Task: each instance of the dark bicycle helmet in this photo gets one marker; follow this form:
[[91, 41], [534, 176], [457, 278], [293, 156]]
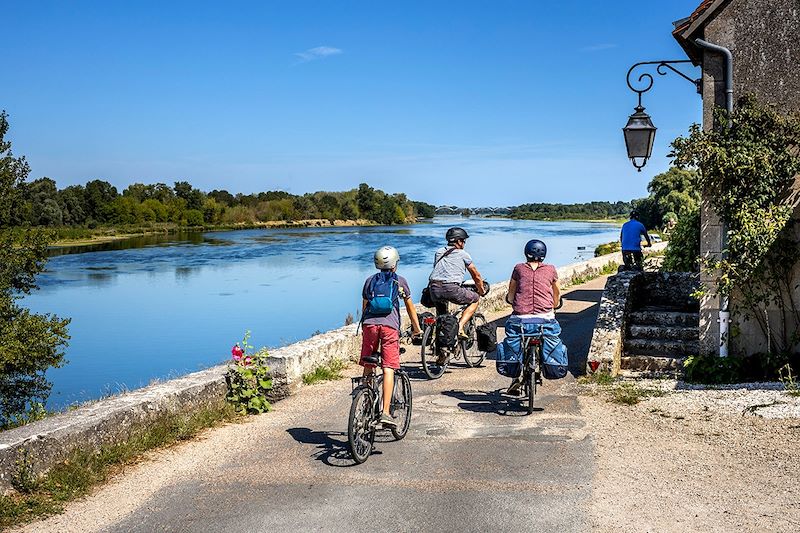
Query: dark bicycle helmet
[[535, 250], [456, 234], [635, 214]]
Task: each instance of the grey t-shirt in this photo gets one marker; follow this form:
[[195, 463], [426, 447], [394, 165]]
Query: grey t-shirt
[[392, 319], [450, 269]]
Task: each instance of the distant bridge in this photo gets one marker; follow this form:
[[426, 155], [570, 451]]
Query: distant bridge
[[455, 210]]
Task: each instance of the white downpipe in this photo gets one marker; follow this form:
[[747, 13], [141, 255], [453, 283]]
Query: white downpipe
[[724, 320]]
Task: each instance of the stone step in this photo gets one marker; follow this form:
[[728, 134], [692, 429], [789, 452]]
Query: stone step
[[661, 348], [667, 333], [650, 363], [664, 318]]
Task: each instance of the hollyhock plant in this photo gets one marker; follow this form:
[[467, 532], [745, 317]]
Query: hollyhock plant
[[248, 378], [236, 352]]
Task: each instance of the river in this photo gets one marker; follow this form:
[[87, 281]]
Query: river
[[160, 307]]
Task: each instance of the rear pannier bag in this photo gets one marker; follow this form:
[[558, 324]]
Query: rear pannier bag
[[487, 337], [509, 362], [554, 358], [446, 331]]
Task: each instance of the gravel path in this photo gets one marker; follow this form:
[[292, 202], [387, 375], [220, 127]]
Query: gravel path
[[697, 460]]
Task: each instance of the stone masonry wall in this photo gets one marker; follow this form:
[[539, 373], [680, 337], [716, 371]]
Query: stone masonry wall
[[762, 35]]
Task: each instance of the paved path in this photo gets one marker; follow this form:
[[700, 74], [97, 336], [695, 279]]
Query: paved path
[[472, 461]]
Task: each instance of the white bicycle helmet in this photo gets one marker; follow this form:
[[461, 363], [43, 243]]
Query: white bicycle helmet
[[386, 258]]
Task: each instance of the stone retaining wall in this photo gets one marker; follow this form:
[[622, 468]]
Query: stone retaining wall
[[50, 441]]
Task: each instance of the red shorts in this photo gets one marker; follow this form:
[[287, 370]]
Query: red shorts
[[381, 339]]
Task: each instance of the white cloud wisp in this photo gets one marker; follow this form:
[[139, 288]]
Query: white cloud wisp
[[319, 52]]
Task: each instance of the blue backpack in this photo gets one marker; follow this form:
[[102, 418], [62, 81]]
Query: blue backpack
[[382, 295]]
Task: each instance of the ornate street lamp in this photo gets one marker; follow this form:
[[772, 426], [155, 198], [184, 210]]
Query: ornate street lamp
[[640, 133]]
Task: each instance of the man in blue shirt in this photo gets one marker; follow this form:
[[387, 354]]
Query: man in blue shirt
[[631, 238]]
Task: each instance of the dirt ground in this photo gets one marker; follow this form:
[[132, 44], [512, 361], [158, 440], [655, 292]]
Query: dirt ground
[[667, 465]]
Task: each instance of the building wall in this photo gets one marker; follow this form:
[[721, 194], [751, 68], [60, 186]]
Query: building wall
[[764, 37]]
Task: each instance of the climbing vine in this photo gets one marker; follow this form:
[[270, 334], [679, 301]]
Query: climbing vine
[[747, 169]]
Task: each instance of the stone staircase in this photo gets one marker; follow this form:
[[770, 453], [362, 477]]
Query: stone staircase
[[661, 327]]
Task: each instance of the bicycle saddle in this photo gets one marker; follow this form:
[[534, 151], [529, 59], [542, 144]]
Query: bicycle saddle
[[372, 359]]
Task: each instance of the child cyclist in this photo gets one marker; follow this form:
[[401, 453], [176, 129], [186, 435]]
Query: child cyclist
[[381, 322]]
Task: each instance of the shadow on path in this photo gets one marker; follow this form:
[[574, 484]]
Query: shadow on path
[[489, 402], [332, 452]]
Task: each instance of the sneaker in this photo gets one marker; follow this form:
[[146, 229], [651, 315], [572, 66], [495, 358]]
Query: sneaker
[[442, 359], [514, 389], [387, 421], [462, 335]]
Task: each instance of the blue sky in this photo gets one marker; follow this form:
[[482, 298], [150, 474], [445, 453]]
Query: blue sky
[[470, 103]]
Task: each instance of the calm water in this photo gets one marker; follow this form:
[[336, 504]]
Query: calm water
[[162, 307]]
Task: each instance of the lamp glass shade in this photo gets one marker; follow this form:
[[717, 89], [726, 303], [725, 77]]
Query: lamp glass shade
[[640, 134]]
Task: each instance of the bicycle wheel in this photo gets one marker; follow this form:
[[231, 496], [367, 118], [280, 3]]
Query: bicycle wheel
[[428, 351], [469, 347], [530, 382], [360, 429], [401, 404]]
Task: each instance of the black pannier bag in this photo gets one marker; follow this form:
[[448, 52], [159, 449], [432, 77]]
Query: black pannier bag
[[425, 298], [446, 331], [426, 320], [487, 337]]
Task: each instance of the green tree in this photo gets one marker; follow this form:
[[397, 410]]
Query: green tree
[[683, 251], [98, 195], [29, 343], [72, 201]]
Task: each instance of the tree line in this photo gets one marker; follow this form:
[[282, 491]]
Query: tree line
[[584, 211], [99, 203]]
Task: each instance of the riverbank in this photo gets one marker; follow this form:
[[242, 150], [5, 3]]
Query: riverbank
[[90, 237]]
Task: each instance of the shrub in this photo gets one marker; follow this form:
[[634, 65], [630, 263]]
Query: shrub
[[683, 251], [607, 248]]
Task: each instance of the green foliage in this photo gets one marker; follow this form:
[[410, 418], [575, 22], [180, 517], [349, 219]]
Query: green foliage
[[40, 203], [586, 211], [30, 344], [330, 372], [249, 380], [683, 250], [627, 393], [597, 378], [713, 370], [789, 380], [747, 167], [607, 248], [37, 497]]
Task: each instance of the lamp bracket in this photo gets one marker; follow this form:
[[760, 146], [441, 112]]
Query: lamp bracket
[[646, 79]]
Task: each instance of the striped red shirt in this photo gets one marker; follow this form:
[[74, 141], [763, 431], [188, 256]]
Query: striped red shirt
[[534, 289]]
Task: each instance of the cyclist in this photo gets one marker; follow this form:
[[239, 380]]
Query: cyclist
[[449, 267], [381, 322], [631, 238], [533, 293]]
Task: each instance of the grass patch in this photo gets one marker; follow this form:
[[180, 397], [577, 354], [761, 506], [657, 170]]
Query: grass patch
[[37, 497], [627, 393], [597, 378], [330, 372]]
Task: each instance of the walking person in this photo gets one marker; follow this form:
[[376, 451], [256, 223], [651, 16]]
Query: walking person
[[631, 238]]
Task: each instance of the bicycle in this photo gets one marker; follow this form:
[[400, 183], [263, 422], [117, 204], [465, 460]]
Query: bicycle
[[435, 358], [367, 407], [532, 345], [531, 364]]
